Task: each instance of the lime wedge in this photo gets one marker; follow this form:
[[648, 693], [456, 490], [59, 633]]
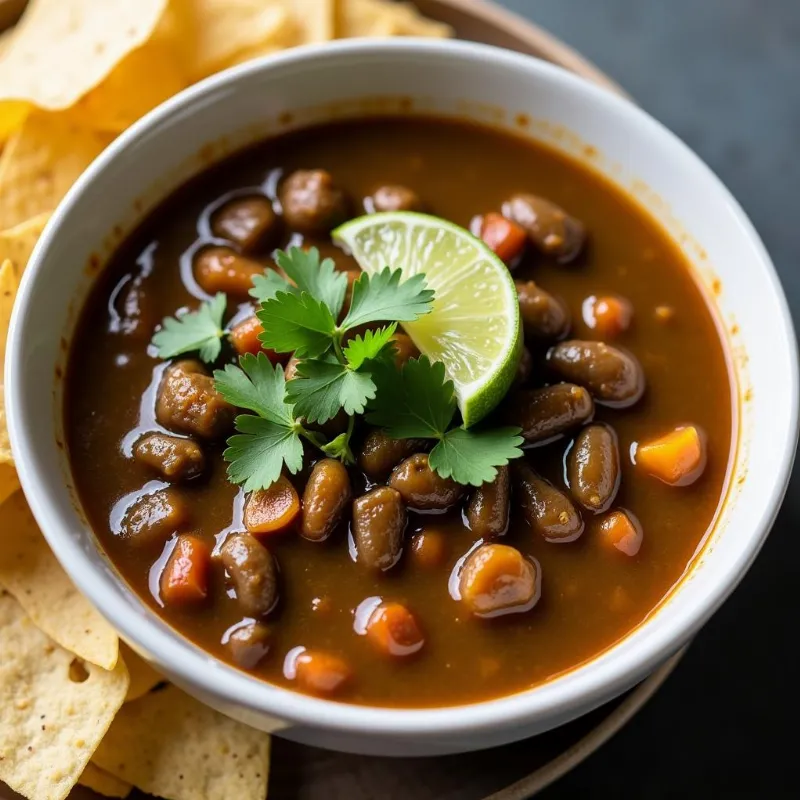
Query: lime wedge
[[474, 327]]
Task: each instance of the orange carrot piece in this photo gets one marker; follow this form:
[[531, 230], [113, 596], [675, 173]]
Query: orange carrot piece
[[620, 529], [678, 458], [503, 236], [321, 673], [394, 631], [429, 548], [609, 316], [220, 269], [185, 576], [244, 338], [272, 510]]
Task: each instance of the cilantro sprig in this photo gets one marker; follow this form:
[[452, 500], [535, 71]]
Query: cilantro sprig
[[198, 331], [418, 402]]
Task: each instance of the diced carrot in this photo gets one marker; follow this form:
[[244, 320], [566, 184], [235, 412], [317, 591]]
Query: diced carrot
[[321, 673], [272, 510], [429, 548], [394, 631], [609, 315], [620, 529], [503, 236], [244, 338], [185, 576], [678, 458], [220, 269]]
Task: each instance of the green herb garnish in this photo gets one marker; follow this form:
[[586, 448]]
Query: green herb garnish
[[195, 331]]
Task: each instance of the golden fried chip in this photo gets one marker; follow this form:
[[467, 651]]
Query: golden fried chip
[[171, 745], [17, 243], [102, 782], [143, 677], [9, 483], [30, 572], [54, 709], [63, 48], [222, 29], [385, 18], [9, 282], [41, 162], [316, 19]]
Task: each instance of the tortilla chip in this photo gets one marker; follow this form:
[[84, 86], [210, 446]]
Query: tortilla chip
[[224, 28], [171, 745], [9, 483], [143, 677], [63, 48], [41, 162], [100, 781], [316, 19], [30, 571], [9, 283], [384, 18], [17, 243], [53, 709]]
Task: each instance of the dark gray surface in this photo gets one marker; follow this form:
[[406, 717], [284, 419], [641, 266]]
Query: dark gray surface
[[725, 76]]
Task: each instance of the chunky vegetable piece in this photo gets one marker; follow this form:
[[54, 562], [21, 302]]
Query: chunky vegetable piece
[[321, 673], [678, 458], [620, 529], [245, 338], [504, 237], [220, 269], [608, 315], [185, 576], [429, 548], [272, 510], [393, 630]]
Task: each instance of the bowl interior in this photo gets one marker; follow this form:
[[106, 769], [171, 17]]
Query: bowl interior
[[451, 79]]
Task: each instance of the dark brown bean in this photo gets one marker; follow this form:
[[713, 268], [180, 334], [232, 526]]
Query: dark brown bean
[[422, 488], [253, 572], [380, 454], [248, 222], [613, 376], [524, 368], [248, 643], [544, 414], [393, 198], [153, 518], [549, 511], [488, 508], [187, 402], [497, 579], [593, 467], [220, 269], [173, 458], [325, 498], [137, 311], [549, 227], [312, 203], [379, 521], [544, 316]]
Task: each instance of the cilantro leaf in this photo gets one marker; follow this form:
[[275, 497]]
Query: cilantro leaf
[[296, 322], [472, 456], [199, 331], [257, 386], [340, 448], [320, 279], [266, 286], [256, 454], [415, 402], [364, 348], [381, 297], [321, 388]]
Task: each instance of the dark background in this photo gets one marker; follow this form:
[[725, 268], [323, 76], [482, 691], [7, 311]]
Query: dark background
[[725, 76]]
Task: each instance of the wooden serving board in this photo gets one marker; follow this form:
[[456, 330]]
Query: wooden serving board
[[513, 772]]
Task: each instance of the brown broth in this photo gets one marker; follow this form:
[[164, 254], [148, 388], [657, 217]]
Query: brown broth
[[591, 597]]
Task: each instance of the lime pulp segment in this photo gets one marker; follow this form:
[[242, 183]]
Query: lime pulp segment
[[474, 327]]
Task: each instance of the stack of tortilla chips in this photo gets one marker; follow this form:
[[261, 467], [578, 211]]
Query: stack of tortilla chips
[[76, 704]]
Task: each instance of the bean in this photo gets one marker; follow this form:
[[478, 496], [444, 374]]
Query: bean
[[379, 521], [249, 222], [422, 488], [248, 643], [380, 454], [312, 203], [393, 198], [613, 376], [429, 548], [544, 316], [153, 518], [548, 511], [593, 467], [549, 227], [325, 498], [544, 414], [253, 572], [488, 508], [497, 579], [220, 269]]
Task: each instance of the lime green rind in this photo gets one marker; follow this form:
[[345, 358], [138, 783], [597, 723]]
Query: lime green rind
[[474, 327]]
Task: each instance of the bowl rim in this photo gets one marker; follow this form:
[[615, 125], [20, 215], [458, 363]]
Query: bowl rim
[[584, 686]]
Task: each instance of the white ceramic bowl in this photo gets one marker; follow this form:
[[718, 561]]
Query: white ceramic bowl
[[447, 78]]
